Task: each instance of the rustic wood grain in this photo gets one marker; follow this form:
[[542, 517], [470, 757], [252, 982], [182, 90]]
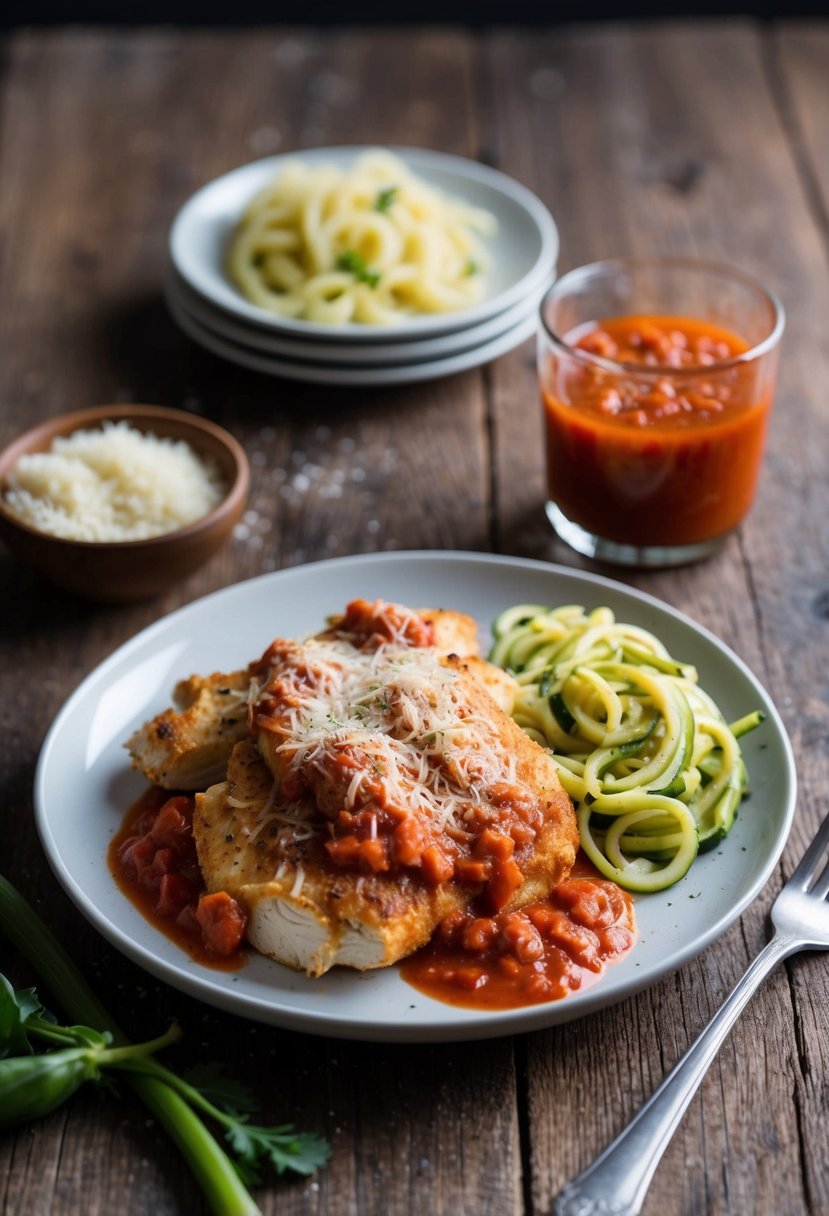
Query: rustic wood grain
[[797, 59], [702, 139]]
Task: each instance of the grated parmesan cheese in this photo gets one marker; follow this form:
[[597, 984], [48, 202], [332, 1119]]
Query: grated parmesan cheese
[[398, 707], [114, 484]]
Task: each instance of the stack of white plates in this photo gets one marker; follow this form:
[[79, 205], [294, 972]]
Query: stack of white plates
[[209, 308]]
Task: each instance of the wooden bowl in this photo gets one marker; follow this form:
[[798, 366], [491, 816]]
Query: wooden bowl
[[128, 570]]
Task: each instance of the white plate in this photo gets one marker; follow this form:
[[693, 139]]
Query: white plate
[[523, 253], [345, 374], [377, 354], [84, 784]]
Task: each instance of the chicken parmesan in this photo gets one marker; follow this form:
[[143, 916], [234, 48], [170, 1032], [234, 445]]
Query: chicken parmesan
[[379, 785]]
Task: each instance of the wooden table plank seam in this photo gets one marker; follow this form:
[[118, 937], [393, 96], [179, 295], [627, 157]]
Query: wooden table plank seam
[[802, 153], [756, 609], [525, 1137]]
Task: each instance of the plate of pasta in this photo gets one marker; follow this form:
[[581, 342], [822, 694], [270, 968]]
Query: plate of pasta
[[317, 370], [182, 299], [351, 245], [84, 782]]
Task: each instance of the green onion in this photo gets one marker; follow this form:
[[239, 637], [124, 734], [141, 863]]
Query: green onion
[[166, 1095]]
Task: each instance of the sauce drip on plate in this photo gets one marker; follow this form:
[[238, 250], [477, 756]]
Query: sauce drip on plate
[[153, 860], [541, 953]]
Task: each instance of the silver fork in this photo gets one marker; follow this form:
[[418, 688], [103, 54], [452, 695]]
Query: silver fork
[[617, 1181]]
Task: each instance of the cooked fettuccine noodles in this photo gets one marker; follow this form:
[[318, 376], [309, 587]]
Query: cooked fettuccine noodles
[[371, 243]]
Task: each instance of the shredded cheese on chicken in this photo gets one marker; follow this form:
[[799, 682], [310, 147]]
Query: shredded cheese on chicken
[[396, 711]]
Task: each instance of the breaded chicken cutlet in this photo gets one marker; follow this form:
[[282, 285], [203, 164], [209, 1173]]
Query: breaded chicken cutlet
[[187, 747], [382, 787]]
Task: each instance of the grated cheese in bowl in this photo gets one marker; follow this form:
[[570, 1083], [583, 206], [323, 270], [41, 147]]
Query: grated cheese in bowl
[[113, 484]]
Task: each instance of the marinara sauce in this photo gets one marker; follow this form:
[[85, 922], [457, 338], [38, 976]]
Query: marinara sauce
[[541, 953], [153, 860], [666, 456]]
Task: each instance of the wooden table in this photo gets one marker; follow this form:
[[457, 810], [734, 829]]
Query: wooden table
[[708, 140]]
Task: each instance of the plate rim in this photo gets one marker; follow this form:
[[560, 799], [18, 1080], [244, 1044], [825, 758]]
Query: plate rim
[[349, 376], [429, 325], [374, 357], [470, 1025]]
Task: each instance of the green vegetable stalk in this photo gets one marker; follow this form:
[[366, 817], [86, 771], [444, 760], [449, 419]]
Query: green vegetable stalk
[[32, 1085]]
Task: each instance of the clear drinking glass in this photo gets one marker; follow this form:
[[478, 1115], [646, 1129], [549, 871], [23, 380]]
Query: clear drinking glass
[[656, 379]]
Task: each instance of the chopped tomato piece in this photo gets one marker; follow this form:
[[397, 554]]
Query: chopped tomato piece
[[173, 826], [350, 850], [541, 915], [375, 854], [505, 874], [175, 893], [615, 940], [451, 925], [164, 862], [222, 922], [344, 850], [467, 869], [579, 942], [504, 881], [588, 902], [521, 937], [509, 965], [491, 843], [436, 866], [479, 933], [381, 622], [137, 854], [348, 759], [409, 841]]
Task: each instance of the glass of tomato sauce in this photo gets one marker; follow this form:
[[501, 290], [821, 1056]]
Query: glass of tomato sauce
[[657, 377]]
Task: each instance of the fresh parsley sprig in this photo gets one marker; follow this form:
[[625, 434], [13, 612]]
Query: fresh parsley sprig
[[231, 1105], [33, 1083]]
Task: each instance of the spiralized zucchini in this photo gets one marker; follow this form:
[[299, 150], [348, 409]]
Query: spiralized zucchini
[[654, 770]]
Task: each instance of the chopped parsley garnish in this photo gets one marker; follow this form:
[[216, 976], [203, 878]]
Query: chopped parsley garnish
[[354, 263], [471, 268], [385, 198]]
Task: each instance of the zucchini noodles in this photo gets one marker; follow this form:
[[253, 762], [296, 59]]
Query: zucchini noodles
[[654, 771], [370, 243]]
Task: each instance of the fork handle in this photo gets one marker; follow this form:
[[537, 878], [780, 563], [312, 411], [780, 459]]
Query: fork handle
[[617, 1181]]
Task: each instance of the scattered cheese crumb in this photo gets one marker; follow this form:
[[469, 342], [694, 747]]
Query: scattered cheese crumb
[[114, 484]]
